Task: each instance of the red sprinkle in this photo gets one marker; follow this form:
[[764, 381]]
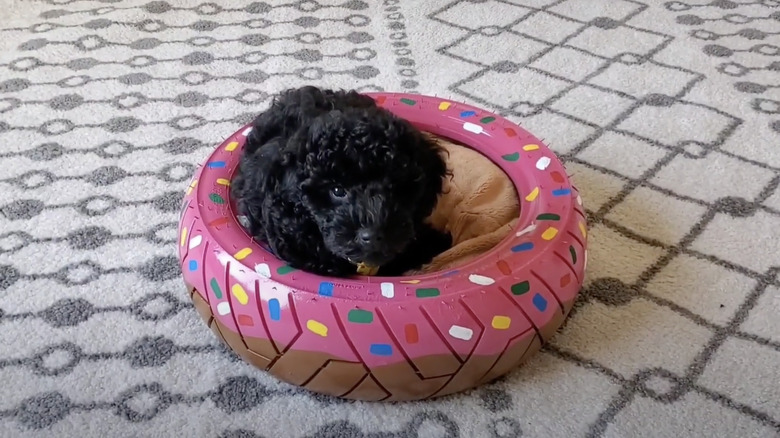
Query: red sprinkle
[[218, 222], [380, 100], [245, 320], [557, 177], [411, 334], [510, 132], [565, 280], [504, 267]]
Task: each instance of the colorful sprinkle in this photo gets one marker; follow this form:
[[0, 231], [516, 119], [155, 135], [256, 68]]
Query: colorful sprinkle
[[529, 229], [231, 146], [585, 260], [550, 233], [326, 289], [359, 316], [218, 222], [246, 131], [411, 334], [510, 132], [193, 265], [381, 350], [521, 288], [317, 328], [530, 147], [408, 101], [192, 186], [240, 294], [223, 308], [427, 292], [583, 230], [380, 100], [573, 254], [500, 322], [527, 246], [565, 280], [473, 128], [245, 320], [481, 280], [215, 287], [274, 309], [487, 119], [539, 302], [557, 177], [223, 182], [410, 281], [548, 217], [532, 196], [444, 106], [183, 236], [561, 192], [195, 241], [263, 270], [283, 270], [216, 165], [503, 267], [450, 273], [469, 113], [579, 200], [543, 163], [511, 157], [215, 198], [242, 254], [388, 290], [462, 333]]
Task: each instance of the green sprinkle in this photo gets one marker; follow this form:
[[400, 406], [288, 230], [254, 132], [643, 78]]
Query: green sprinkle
[[286, 269], [360, 316], [216, 289], [408, 101], [521, 288], [488, 119], [215, 198], [511, 157], [573, 255], [548, 217], [427, 292]]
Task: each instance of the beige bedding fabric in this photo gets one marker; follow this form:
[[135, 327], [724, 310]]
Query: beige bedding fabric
[[666, 113]]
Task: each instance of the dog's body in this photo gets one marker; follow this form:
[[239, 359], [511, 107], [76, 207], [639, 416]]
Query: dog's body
[[329, 181]]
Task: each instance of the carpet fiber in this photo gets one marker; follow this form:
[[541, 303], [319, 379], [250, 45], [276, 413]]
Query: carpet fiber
[[666, 114]]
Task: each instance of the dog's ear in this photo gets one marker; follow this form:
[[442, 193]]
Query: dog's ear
[[429, 157]]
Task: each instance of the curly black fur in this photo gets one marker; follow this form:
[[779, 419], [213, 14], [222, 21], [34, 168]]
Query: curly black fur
[[328, 179]]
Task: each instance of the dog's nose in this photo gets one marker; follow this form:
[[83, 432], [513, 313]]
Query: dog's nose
[[368, 236]]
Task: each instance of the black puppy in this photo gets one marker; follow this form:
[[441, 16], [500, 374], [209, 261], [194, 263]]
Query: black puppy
[[330, 182]]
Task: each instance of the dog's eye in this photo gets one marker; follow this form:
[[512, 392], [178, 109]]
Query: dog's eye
[[338, 192]]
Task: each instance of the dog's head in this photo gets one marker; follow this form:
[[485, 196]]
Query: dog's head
[[367, 178]]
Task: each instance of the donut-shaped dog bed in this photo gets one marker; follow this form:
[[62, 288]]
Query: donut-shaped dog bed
[[394, 338]]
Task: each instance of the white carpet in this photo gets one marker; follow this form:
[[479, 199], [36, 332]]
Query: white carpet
[[667, 115]]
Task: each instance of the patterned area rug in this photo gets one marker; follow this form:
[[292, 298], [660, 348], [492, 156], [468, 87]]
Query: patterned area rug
[[667, 115]]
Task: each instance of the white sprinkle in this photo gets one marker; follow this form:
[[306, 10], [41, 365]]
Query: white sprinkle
[[526, 230], [481, 280], [223, 308], [388, 290], [471, 127], [579, 199], [263, 270], [585, 261], [246, 132], [459, 332], [543, 163], [195, 241]]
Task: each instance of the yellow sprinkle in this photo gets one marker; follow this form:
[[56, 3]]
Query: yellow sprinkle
[[183, 236], [549, 233], [223, 182], [583, 230], [240, 294], [317, 327], [192, 186], [531, 196], [243, 253], [410, 281], [501, 322], [530, 147], [444, 105], [231, 146]]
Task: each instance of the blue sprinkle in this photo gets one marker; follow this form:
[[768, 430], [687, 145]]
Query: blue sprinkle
[[216, 165], [527, 246], [381, 350], [540, 303], [561, 192], [465, 114], [193, 265], [274, 309], [326, 289], [450, 273]]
